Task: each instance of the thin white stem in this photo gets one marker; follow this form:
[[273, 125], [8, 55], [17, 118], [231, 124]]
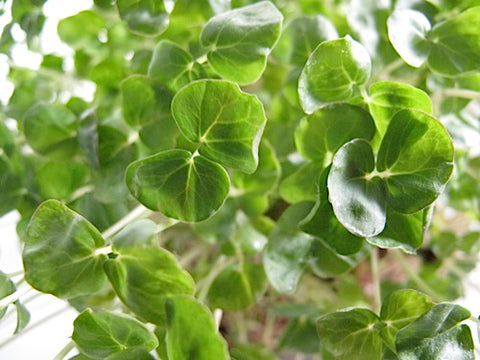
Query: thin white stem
[[14, 296], [461, 93], [217, 315], [138, 212], [377, 295], [65, 351], [206, 282], [103, 251]]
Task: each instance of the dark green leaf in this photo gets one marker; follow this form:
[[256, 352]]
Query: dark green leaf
[[143, 16], [357, 200], [302, 185], [180, 185], [237, 288], [187, 339], [51, 130], [321, 134], [60, 252], [415, 158], [407, 30], [301, 335], [240, 40], [99, 335], [332, 73], [226, 123], [351, 334], [144, 277]]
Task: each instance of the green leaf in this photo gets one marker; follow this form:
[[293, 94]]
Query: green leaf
[[58, 180], [321, 134], [81, 31], [174, 66], [408, 31], [132, 353], [23, 317], [302, 185], [225, 122], [187, 339], [6, 288], [251, 352], [332, 73], [455, 45], [301, 36], [144, 17], [60, 256], [237, 288], [401, 308], [180, 185], [240, 40], [141, 233], [358, 202], [144, 277], [386, 98], [351, 334], [99, 335], [51, 130], [285, 256], [415, 156], [437, 334]]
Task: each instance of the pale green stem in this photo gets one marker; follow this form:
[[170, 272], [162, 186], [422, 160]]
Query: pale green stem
[[65, 351], [13, 297], [422, 285], [190, 255], [138, 212], [241, 327], [377, 295], [80, 192], [168, 223], [461, 93], [205, 283], [15, 273], [387, 70], [268, 330]]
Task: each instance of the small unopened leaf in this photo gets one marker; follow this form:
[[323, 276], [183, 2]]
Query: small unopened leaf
[[143, 16], [332, 73], [60, 252], [240, 40], [358, 201], [225, 122], [144, 277], [99, 335], [407, 30], [197, 339], [351, 334], [180, 185]]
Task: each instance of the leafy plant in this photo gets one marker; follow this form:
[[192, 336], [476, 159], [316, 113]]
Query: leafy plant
[[247, 177]]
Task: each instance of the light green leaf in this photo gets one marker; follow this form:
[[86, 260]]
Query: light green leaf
[[140, 233], [187, 339], [251, 352], [332, 73], [321, 134], [143, 16], [23, 317], [57, 180], [51, 130], [173, 66], [358, 201], [81, 30], [60, 252], [351, 334], [415, 159], [386, 98], [132, 353], [144, 277], [401, 308], [301, 36], [407, 30], [6, 288], [240, 40], [226, 123], [285, 256], [180, 185], [302, 185], [99, 335], [455, 45], [437, 334]]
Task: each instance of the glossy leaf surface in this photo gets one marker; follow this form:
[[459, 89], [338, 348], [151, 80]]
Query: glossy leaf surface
[[60, 252], [144, 17], [225, 122], [188, 340], [181, 186], [332, 73], [99, 335], [240, 40]]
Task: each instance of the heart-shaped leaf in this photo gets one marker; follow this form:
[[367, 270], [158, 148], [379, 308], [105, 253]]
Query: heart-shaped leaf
[[332, 73], [358, 200], [187, 339], [416, 160], [143, 16], [60, 252], [225, 122], [144, 277], [179, 184], [240, 40], [407, 30], [99, 335]]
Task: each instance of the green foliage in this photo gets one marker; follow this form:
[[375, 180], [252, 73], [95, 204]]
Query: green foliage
[[247, 176]]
